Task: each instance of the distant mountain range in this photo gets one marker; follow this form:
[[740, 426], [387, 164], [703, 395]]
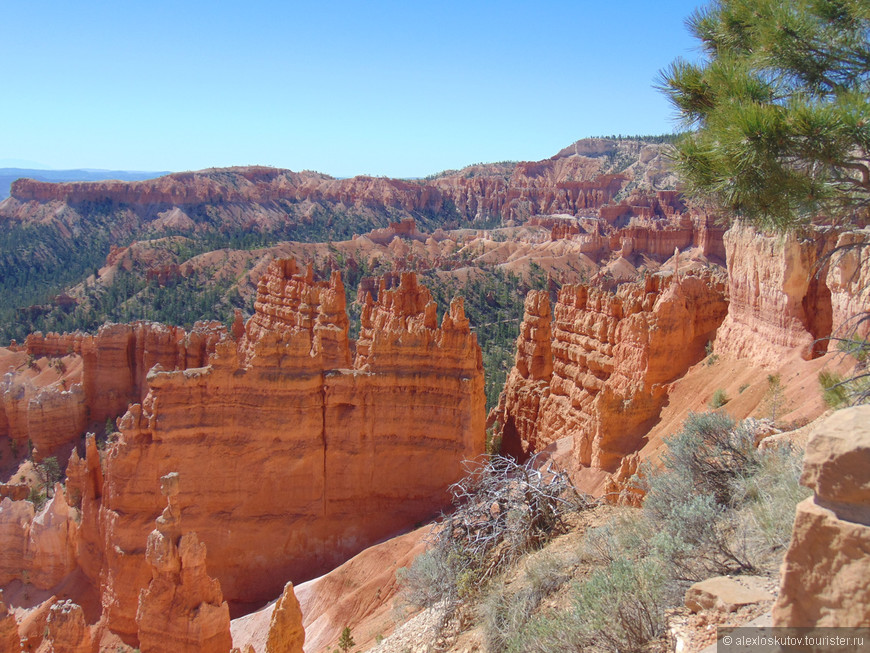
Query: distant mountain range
[[8, 175]]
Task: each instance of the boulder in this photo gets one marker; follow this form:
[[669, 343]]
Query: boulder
[[826, 567], [726, 594]]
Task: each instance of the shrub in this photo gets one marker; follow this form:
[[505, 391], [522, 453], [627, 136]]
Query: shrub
[[688, 498], [622, 606], [705, 457], [834, 390], [719, 399], [770, 495], [505, 615]]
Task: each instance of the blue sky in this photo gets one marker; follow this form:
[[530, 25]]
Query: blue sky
[[401, 89]]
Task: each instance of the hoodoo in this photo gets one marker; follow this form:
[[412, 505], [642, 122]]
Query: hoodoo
[[298, 448], [596, 366]]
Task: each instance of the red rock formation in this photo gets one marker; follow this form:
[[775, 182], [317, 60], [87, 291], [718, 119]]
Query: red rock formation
[[778, 298], [48, 417], [9, 639], [15, 491], [114, 363], [37, 548], [118, 358], [603, 377], [67, 630], [15, 519], [848, 281], [571, 182], [286, 634], [182, 610], [825, 572], [296, 456]]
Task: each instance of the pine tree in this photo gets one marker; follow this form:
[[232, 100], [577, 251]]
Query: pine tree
[[345, 642], [780, 108]]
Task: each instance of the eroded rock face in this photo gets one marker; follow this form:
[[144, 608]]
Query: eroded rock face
[[182, 610], [825, 572], [37, 548], [294, 456], [848, 280], [114, 363], [597, 366], [286, 634], [117, 359], [67, 630], [9, 639], [779, 300], [49, 417]]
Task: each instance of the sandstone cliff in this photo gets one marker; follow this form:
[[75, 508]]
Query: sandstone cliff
[[38, 548], [295, 454], [570, 182], [76, 380], [792, 292], [597, 366]]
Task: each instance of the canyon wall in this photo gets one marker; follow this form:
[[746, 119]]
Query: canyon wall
[[597, 366], [295, 453], [261, 198], [97, 377], [791, 292], [529, 189]]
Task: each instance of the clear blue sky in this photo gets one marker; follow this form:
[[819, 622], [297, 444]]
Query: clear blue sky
[[385, 88]]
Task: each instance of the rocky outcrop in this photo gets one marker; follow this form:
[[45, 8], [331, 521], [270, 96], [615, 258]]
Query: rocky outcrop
[[118, 358], [114, 363], [48, 417], [825, 572], [9, 639], [295, 455], [597, 367], [848, 281], [67, 631], [286, 634], [37, 548], [779, 300], [15, 520], [182, 610], [726, 594], [572, 182]]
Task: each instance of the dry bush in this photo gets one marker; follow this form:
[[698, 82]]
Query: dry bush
[[503, 509]]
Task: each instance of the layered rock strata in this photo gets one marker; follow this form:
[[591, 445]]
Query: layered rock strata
[[116, 360], [38, 548], [114, 363], [778, 299], [791, 292], [46, 418], [182, 610], [825, 571], [597, 365], [299, 454]]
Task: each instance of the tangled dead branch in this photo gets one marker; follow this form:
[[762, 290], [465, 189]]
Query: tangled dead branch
[[502, 509]]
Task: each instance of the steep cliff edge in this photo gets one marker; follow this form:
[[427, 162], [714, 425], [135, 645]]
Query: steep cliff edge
[[597, 367], [295, 455], [792, 292], [62, 383]]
